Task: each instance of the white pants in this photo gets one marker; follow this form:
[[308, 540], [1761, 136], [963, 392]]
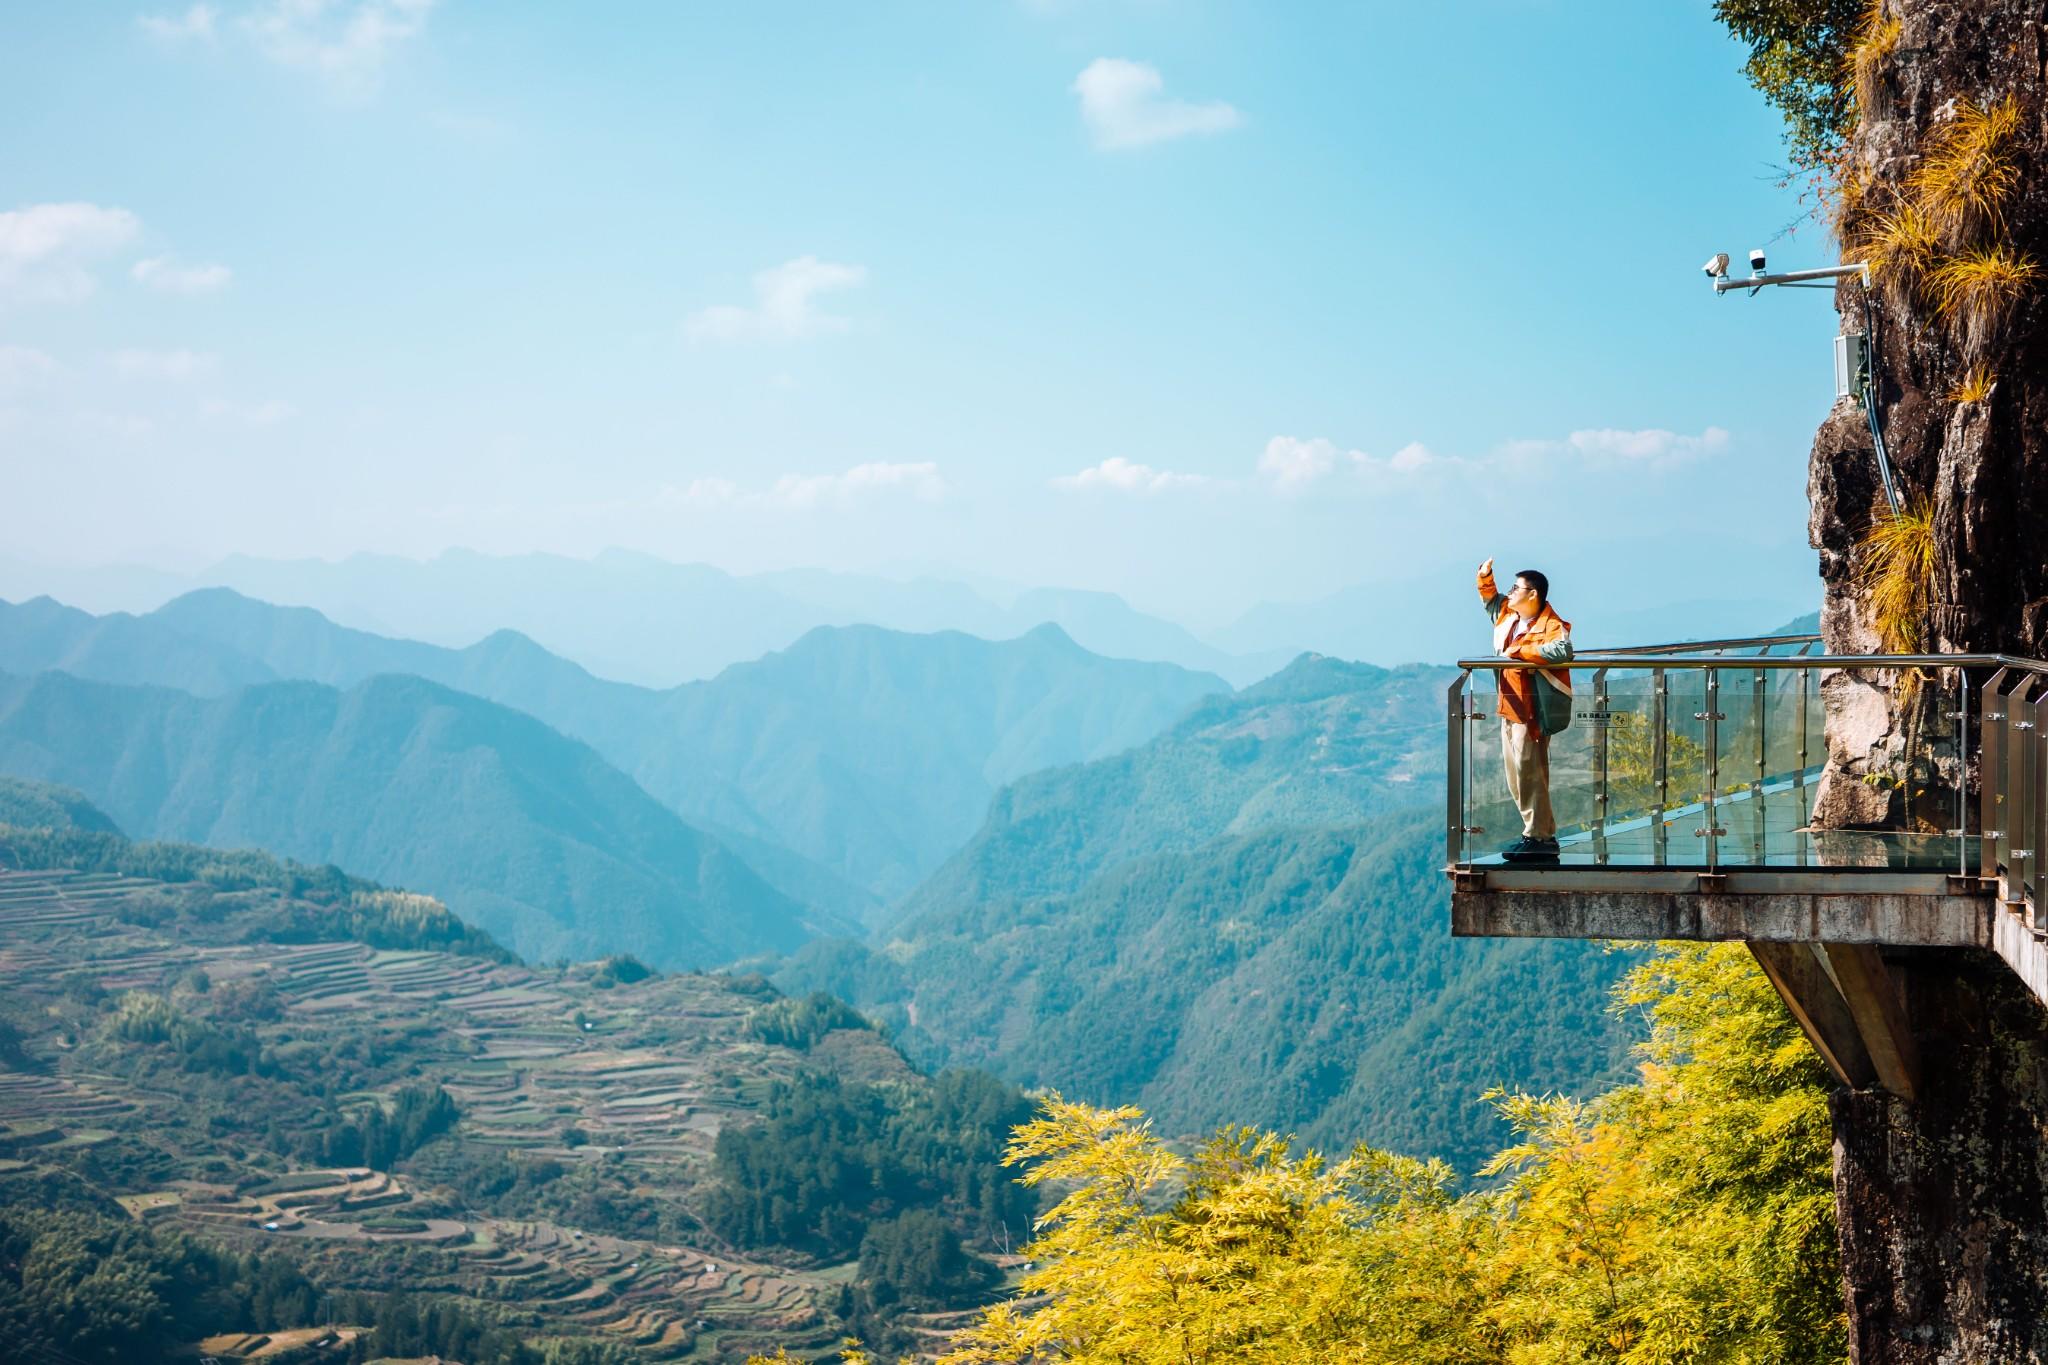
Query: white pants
[[1526, 751]]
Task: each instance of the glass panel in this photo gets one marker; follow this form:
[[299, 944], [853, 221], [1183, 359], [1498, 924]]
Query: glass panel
[[1794, 754], [1491, 817], [2021, 758], [1740, 736], [1620, 720], [1644, 772], [1686, 783]]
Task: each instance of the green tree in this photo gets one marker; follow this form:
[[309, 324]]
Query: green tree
[[1798, 50], [1687, 1217]]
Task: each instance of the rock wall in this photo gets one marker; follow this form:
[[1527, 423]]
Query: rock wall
[[1981, 464], [1943, 1203]]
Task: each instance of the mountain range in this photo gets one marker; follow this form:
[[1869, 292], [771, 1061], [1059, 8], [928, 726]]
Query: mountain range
[[847, 766], [530, 836], [638, 618]]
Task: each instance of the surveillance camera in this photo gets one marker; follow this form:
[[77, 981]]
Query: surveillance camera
[[1756, 262], [1717, 265]]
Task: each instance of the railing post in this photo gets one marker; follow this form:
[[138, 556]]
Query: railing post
[[1760, 706], [1660, 765], [1962, 719], [1454, 772], [1712, 715], [1603, 806], [1799, 841], [1990, 775]]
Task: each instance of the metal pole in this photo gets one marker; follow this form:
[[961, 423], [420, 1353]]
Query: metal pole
[[1724, 284], [1603, 807], [1760, 704], [1712, 715], [1805, 813], [1962, 718], [1660, 774], [1454, 772]]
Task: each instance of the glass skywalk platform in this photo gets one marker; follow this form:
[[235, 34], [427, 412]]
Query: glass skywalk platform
[[1696, 796], [1843, 816], [1711, 761]]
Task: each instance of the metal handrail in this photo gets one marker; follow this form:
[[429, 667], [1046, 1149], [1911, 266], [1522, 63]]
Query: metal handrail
[[1617, 659], [1759, 642], [2007, 763]]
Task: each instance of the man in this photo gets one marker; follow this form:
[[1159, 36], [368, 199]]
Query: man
[[1534, 703]]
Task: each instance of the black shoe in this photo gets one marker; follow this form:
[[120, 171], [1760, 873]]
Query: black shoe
[[1521, 847], [1525, 851]]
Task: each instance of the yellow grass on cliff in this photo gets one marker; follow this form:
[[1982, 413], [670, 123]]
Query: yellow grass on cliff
[[1897, 574]]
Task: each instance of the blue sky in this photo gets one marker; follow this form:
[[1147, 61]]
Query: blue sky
[[1202, 303]]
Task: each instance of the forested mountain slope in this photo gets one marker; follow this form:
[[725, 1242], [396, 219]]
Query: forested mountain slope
[[1244, 920], [41, 805], [868, 752], [1323, 742], [531, 836]]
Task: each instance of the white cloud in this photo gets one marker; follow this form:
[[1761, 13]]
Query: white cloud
[[708, 490], [784, 304], [173, 365], [1650, 444], [1125, 106], [45, 248], [194, 25], [265, 414], [1612, 445], [920, 480], [1411, 457], [24, 367], [344, 42], [166, 276], [1291, 464], [1116, 474]]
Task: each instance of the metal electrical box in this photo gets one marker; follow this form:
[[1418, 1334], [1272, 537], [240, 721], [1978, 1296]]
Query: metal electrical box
[[1852, 365]]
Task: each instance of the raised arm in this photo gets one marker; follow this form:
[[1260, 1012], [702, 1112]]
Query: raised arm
[[1490, 597]]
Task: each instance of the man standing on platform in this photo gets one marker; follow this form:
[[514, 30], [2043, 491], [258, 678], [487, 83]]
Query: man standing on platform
[[1535, 703]]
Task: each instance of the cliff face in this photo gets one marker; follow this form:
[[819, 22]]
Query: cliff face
[[1943, 1203], [1958, 314]]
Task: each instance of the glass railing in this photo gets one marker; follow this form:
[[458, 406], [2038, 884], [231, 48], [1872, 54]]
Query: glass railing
[[1714, 757]]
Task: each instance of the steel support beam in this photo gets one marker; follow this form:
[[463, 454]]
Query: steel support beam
[[1814, 1000], [1879, 1011]]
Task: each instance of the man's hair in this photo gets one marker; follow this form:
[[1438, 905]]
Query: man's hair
[[1536, 579]]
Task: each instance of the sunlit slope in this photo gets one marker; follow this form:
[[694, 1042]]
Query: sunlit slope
[[532, 836]]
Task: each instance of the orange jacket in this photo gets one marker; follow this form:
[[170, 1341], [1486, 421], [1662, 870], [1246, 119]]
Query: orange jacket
[[1540, 697]]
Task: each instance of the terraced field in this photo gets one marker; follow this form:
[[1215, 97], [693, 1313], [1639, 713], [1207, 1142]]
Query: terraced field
[[617, 1089]]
